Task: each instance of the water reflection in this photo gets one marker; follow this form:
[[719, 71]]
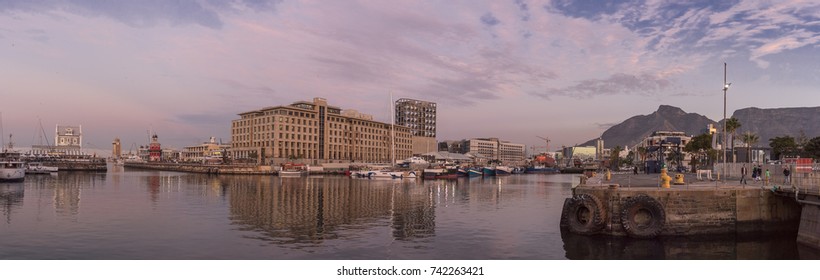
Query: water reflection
[[314, 209], [11, 196]]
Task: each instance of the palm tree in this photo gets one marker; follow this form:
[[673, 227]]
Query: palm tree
[[732, 125], [749, 139]]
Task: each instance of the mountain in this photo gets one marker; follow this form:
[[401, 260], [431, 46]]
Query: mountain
[[770, 123], [766, 123], [667, 118]]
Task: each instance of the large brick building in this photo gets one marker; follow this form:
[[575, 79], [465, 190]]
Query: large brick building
[[315, 133]]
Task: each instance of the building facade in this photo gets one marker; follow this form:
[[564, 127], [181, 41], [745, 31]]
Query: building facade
[[420, 117], [488, 149], [210, 150], [315, 133]]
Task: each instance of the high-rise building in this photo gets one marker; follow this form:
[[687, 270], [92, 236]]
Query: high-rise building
[[420, 117], [315, 133]]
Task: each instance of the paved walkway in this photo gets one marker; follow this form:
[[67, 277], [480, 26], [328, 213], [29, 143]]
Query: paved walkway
[[690, 179]]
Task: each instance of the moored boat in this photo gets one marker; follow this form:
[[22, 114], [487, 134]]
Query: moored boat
[[541, 170], [488, 171], [293, 170], [503, 170], [474, 172], [39, 168], [12, 170], [440, 173]]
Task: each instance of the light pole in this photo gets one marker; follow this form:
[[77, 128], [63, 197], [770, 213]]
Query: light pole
[[725, 88]]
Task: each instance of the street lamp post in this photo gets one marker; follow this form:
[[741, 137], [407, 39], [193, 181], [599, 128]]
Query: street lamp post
[[725, 88]]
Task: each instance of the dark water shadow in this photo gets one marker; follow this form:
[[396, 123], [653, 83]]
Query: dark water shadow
[[717, 247]]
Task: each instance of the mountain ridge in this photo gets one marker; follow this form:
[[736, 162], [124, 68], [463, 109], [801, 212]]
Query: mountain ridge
[[766, 123]]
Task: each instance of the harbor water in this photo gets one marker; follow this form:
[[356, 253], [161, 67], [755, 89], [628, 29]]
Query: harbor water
[[139, 214]]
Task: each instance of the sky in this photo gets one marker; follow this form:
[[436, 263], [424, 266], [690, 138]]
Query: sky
[[512, 69]]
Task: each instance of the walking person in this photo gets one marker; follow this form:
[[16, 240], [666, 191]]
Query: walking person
[[743, 174], [786, 173], [768, 176]]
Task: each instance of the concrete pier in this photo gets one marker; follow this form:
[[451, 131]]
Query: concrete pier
[[634, 205]]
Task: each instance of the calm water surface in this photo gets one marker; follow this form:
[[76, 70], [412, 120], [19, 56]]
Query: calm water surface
[[136, 214]]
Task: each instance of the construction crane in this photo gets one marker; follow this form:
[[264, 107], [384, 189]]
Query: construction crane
[[545, 140]]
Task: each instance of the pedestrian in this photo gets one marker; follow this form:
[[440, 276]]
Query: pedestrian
[[754, 173], [768, 176], [786, 174], [743, 174], [758, 173], [635, 170]]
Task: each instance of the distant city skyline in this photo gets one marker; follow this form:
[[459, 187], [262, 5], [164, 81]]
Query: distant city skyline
[[515, 70]]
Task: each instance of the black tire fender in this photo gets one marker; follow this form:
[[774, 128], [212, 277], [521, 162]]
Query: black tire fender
[[585, 214], [643, 216]]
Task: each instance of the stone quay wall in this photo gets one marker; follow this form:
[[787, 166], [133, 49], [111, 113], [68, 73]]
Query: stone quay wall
[[208, 169], [704, 210]]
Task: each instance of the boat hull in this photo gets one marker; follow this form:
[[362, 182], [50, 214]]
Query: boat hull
[[545, 170], [12, 174], [488, 171]]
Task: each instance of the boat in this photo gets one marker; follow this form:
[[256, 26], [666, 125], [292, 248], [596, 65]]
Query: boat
[[474, 172], [12, 170], [503, 170], [462, 172], [293, 170], [391, 174], [488, 171], [542, 170], [440, 173], [36, 167]]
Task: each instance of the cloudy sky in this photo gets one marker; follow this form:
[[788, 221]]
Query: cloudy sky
[[513, 69]]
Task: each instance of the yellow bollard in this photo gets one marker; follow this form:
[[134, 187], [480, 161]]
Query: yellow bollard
[[608, 175], [678, 179], [665, 179]]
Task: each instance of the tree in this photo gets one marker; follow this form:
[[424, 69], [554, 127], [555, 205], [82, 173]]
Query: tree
[[642, 154], [630, 158], [783, 146], [812, 148], [700, 147], [614, 158], [749, 139], [732, 125]]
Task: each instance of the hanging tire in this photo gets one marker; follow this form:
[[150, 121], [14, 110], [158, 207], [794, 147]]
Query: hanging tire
[[565, 212], [643, 217], [585, 214]]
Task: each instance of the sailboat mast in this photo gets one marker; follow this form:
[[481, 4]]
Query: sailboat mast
[[392, 130], [2, 143]]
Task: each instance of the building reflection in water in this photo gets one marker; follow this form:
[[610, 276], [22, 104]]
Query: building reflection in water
[[11, 197], [313, 209]]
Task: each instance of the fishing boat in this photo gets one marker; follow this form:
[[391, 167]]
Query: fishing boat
[[36, 167], [474, 172], [503, 170], [488, 171]]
